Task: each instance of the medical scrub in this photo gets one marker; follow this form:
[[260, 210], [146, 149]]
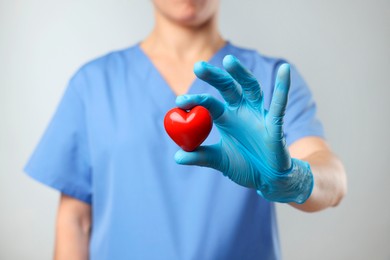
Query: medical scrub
[[106, 146]]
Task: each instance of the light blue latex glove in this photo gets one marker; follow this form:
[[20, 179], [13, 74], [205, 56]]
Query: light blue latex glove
[[252, 151]]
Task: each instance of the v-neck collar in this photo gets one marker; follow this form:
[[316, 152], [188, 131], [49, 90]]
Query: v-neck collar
[[165, 90]]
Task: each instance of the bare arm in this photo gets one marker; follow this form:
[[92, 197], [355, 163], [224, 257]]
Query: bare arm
[[330, 183], [72, 229]]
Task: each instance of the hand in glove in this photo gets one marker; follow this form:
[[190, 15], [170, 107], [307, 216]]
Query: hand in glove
[[252, 151]]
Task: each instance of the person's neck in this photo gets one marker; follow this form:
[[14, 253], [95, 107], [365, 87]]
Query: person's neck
[[183, 43]]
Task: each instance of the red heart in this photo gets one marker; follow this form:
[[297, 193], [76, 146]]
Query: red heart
[[188, 129]]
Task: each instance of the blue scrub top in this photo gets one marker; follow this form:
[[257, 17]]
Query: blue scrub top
[[106, 146]]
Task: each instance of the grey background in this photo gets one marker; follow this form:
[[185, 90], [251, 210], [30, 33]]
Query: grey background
[[341, 48]]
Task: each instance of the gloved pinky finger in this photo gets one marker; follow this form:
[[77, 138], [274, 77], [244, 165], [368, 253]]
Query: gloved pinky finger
[[206, 156], [214, 106]]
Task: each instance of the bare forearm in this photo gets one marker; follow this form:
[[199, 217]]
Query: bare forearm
[[329, 182], [72, 230]]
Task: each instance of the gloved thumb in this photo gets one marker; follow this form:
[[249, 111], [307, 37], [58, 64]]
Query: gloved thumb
[[208, 156]]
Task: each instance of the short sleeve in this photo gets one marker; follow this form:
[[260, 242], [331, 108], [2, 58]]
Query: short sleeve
[[61, 159], [301, 113]]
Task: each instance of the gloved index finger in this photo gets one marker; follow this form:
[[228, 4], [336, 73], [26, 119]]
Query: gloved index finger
[[221, 80], [214, 106]]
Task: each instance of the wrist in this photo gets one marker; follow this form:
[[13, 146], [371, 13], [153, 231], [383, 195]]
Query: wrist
[[295, 185]]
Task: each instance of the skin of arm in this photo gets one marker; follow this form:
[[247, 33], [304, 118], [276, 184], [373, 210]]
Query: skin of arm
[[73, 228], [330, 182]]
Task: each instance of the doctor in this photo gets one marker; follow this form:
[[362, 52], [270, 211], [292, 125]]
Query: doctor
[[125, 190]]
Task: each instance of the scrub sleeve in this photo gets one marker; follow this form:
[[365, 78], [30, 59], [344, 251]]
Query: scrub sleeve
[[300, 119], [61, 159]]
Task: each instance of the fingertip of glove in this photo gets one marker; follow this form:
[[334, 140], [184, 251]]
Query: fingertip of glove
[[283, 76], [200, 68], [284, 69], [181, 99], [229, 61], [180, 157]]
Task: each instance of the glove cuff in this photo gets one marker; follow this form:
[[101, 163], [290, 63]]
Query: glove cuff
[[295, 185]]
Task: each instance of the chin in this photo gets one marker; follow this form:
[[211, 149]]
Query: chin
[[192, 18], [191, 21], [187, 12]]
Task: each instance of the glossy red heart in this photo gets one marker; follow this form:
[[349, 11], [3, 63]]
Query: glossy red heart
[[188, 128]]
